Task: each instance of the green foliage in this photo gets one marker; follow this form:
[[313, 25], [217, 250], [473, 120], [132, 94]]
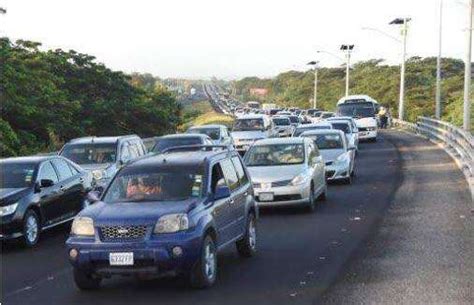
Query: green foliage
[[49, 97], [371, 77]]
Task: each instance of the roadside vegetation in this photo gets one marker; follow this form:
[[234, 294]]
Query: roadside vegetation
[[49, 97], [372, 77]]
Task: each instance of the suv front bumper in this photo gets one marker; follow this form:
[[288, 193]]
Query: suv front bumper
[[150, 257]]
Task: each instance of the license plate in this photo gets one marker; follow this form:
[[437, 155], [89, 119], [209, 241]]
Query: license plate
[[265, 196], [121, 259]]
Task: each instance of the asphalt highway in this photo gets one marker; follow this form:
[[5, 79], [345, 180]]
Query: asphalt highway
[[302, 259]]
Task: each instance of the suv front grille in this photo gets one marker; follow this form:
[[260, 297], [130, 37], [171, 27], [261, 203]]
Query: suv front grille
[[114, 233], [281, 183]]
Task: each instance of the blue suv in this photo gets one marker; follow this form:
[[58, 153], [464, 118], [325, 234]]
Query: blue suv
[[167, 214]]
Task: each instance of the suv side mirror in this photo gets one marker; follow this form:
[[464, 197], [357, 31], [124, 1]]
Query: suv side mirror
[[93, 196], [46, 183], [222, 191]]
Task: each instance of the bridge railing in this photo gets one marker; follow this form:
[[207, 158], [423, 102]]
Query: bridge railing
[[456, 141]]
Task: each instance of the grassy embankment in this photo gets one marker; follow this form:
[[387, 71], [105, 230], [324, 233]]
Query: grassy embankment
[[201, 113]]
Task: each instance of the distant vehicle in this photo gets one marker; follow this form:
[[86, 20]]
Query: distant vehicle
[[363, 109], [286, 172], [239, 112], [180, 139], [295, 120], [338, 155], [346, 127], [103, 156], [253, 105], [283, 125], [272, 112], [219, 134], [284, 112], [303, 128], [250, 128], [38, 193], [312, 111], [323, 115], [355, 129], [268, 106], [166, 214]]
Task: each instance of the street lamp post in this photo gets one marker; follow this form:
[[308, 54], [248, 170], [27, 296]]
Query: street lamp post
[[404, 25], [438, 63], [347, 50], [315, 95], [467, 72]]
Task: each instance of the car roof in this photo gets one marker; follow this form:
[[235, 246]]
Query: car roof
[[183, 135], [279, 116], [340, 121], [181, 158], [94, 139], [322, 123], [208, 126], [271, 141], [335, 118], [252, 116], [357, 97], [322, 131], [28, 159]]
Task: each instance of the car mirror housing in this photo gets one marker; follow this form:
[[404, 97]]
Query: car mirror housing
[[46, 183], [93, 196], [222, 191]]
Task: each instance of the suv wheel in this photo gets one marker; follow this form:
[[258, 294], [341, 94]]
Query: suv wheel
[[247, 246], [31, 228], [85, 280], [324, 195], [204, 273]]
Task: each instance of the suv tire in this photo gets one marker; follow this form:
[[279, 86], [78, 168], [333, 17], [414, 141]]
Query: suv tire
[[85, 280], [247, 246], [204, 273], [311, 202]]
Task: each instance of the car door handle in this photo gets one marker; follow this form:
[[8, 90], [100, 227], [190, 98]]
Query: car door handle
[[232, 201], [81, 180], [62, 188]]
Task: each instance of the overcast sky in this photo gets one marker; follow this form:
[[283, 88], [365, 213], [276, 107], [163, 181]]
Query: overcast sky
[[232, 38]]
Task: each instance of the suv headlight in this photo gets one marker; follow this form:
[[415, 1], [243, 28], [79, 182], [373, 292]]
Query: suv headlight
[[298, 180], [98, 174], [83, 226], [171, 223], [8, 209]]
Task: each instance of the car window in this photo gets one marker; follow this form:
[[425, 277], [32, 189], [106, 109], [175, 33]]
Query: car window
[[229, 174], [47, 172], [74, 170], [134, 152], [217, 177], [125, 153], [240, 170], [63, 169]]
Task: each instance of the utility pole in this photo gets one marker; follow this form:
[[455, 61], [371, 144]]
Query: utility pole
[[404, 25], [467, 72], [315, 94], [438, 63], [347, 49]]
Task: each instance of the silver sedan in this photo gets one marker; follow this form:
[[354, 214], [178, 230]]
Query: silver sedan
[[286, 172]]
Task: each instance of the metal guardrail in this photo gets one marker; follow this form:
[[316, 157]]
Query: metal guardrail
[[456, 141]]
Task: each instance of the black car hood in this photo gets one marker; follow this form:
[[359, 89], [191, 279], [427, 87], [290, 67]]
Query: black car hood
[[11, 195]]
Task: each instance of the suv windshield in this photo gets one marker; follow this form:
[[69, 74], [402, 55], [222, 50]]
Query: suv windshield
[[276, 154], [92, 153], [248, 124], [341, 126], [213, 133], [281, 121], [16, 175], [327, 141], [155, 186], [359, 110], [163, 144]]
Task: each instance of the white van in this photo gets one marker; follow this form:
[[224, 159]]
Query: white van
[[363, 109]]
